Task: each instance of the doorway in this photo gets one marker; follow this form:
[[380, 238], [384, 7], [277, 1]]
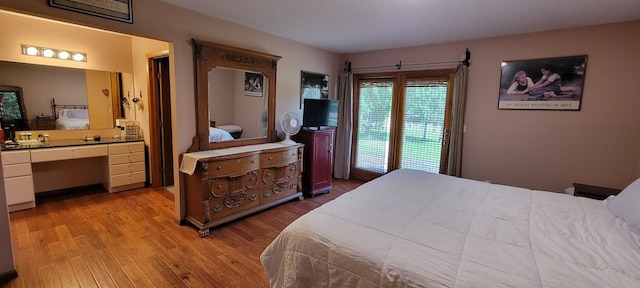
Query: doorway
[[160, 133], [401, 122]]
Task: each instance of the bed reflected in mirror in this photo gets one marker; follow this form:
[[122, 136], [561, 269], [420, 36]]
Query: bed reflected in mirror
[[93, 98], [238, 102]]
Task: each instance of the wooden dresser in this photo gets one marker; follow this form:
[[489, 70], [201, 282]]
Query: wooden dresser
[[225, 184]]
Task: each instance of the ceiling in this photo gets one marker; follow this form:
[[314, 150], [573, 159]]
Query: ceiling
[[349, 26]]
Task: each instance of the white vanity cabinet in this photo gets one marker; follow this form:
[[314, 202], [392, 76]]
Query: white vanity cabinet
[[118, 166], [125, 168], [18, 180]]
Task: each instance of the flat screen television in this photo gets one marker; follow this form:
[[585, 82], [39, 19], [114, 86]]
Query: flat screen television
[[320, 112]]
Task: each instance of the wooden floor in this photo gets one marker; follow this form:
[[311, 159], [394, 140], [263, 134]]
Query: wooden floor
[[92, 238]]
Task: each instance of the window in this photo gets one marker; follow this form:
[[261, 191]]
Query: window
[[402, 120]]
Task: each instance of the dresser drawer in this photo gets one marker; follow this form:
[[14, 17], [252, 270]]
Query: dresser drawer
[[277, 159], [16, 170], [278, 190], [126, 158], [231, 203], [124, 148], [233, 167], [15, 157], [127, 168]]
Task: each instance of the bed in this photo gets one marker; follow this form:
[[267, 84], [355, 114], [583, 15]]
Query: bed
[[416, 229], [70, 116], [72, 119], [217, 135]]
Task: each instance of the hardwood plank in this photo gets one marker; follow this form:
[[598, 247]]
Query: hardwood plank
[[49, 276], [62, 265], [83, 274], [92, 238]]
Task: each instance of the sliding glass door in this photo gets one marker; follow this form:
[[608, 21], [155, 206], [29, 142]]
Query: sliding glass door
[[401, 122]]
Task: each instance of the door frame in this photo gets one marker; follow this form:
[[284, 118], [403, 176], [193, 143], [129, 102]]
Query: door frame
[[155, 137], [397, 111]]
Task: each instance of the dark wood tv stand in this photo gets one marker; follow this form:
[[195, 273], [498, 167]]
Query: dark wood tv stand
[[317, 160]]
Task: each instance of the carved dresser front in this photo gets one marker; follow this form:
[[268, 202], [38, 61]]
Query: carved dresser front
[[226, 184]]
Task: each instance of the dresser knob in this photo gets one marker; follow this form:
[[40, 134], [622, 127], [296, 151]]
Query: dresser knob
[[270, 158], [219, 167]]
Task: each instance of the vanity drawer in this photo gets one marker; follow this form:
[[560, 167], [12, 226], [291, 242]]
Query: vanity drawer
[[127, 168], [126, 148], [45, 155], [14, 157], [55, 154], [16, 170], [233, 167], [126, 179], [19, 190], [90, 151], [126, 158], [277, 159]]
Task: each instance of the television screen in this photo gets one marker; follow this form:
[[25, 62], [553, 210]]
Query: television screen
[[320, 112]]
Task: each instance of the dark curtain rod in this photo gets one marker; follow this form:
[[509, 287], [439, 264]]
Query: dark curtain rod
[[348, 68]]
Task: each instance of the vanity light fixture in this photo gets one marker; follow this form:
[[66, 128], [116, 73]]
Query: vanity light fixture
[[53, 53]]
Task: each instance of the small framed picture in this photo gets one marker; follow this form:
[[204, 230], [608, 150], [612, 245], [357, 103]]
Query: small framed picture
[[313, 86], [542, 84]]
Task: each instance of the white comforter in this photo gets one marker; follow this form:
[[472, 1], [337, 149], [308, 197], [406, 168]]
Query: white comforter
[[416, 229], [217, 135]]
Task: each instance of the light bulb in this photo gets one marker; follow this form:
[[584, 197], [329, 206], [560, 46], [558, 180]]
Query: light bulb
[[78, 57], [47, 53], [32, 51], [63, 55]]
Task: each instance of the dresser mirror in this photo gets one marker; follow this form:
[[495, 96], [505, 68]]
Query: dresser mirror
[[236, 96], [96, 98]]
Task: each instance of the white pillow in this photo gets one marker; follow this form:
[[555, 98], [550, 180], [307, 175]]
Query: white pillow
[[78, 113], [62, 113], [626, 205]]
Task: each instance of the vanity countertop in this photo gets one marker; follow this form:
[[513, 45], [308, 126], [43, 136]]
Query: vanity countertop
[[67, 143]]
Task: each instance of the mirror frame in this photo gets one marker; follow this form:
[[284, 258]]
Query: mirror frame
[[209, 55]]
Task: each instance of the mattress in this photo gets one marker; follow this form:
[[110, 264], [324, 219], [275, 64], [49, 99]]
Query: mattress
[[416, 229]]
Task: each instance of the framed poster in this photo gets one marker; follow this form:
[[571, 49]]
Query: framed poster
[[313, 86], [542, 84], [253, 83], [113, 9]]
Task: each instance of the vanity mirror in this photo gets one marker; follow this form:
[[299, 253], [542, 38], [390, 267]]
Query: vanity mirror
[[236, 96], [96, 97]]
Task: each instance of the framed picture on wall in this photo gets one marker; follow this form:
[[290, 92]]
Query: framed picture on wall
[[114, 9], [253, 83], [542, 84], [313, 86]]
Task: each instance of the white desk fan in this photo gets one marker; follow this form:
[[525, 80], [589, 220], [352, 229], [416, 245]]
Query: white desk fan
[[291, 124]]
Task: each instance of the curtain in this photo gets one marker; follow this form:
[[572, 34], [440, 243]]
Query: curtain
[[454, 159], [342, 156]]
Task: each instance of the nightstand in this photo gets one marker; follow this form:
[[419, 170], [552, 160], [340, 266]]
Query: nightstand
[[594, 192], [45, 123]]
